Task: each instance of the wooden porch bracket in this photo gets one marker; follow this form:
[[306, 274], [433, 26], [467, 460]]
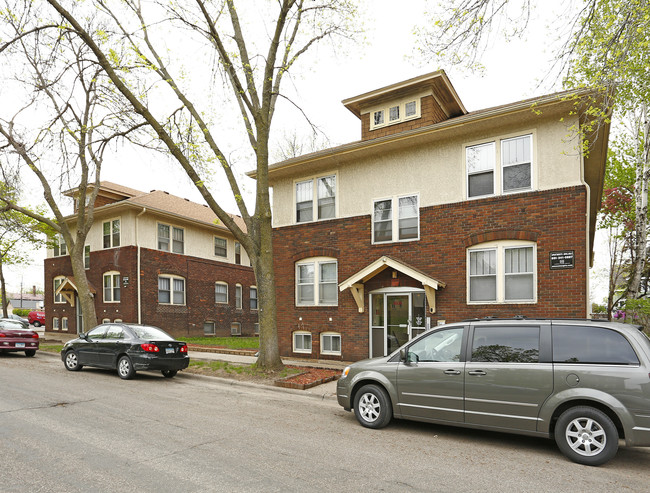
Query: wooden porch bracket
[[357, 292]]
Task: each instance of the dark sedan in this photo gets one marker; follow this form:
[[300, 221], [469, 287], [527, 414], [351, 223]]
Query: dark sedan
[[126, 348], [13, 337]]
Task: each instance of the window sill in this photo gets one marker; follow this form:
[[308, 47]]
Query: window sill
[[395, 241], [521, 302]]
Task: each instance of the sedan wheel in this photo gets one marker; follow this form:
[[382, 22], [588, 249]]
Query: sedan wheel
[[372, 406], [30, 352], [125, 368], [586, 435], [169, 373], [71, 361]]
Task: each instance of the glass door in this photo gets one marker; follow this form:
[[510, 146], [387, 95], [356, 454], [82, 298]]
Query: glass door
[[397, 321]]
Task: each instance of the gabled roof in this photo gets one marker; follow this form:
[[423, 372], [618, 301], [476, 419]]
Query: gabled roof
[[386, 262]]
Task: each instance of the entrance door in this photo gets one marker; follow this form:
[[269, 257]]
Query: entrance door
[[397, 323]]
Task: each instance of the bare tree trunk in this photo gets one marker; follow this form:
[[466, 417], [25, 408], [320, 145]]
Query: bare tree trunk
[[86, 298]]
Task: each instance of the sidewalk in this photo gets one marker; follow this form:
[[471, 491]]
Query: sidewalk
[[326, 390]]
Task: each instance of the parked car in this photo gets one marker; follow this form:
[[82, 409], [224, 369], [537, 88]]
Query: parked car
[[19, 320], [126, 348], [583, 383], [36, 318], [14, 337]]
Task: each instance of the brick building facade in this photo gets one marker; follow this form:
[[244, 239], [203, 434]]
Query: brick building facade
[[436, 215], [126, 278]]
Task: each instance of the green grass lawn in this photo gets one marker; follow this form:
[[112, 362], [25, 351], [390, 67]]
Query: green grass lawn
[[51, 348], [229, 342], [241, 369]]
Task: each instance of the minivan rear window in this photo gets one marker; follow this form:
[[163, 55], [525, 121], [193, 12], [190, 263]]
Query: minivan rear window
[[594, 345]]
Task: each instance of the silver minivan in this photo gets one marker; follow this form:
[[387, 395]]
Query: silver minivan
[[585, 383]]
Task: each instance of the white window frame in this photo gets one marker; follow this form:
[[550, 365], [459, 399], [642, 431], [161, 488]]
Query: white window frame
[[64, 323], [214, 328], [55, 323], [395, 218], [221, 283], [256, 328], [58, 298], [325, 335], [314, 180], [401, 109], [238, 296], [250, 298], [215, 247], [172, 278], [238, 250], [171, 242], [111, 235], [113, 288], [237, 327], [302, 350], [498, 174], [316, 262], [500, 247], [59, 249], [86, 257]]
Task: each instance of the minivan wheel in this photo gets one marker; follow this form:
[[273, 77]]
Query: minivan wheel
[[586, 435], [372, 406], [125, 368]]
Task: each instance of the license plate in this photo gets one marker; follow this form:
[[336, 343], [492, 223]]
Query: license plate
[[169, 350], [20, 344]]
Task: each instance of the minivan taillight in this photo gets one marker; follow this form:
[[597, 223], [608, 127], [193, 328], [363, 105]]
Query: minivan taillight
[[183, 349], [150, 348]]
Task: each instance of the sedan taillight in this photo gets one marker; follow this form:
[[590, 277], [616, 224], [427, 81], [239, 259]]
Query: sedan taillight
[[183, 349], [2, 334], [35, 335], [150, 348]]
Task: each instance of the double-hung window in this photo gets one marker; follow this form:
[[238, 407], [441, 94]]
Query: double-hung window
[[253, 298], [220, 292], [111, 233], [171, 290], [170, 234], [316, 282], [316, 195], [220, 247], [59, 246], [302, 342], [238, 295], [87, 257], [112, 287], [58, 298], [499, 167], [238, 253], [396, 219], [330, 343], [502, 272]]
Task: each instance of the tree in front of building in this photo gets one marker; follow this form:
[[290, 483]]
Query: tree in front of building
[[251, 48], [55, 130]]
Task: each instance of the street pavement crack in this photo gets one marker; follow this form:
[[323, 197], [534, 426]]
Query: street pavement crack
[[46, 406]]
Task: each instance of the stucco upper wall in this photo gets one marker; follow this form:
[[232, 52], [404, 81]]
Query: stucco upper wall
[[435, 167], [198, 241]]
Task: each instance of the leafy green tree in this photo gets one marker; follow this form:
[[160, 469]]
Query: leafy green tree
[[254, 46]]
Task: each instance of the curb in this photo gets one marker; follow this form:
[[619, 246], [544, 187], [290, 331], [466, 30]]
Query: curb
[[239, 383]]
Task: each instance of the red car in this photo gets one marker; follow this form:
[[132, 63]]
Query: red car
[[36, 318], [14, 338]]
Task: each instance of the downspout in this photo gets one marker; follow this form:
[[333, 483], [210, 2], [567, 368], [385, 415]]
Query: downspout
[[137, 244], [587, 215]]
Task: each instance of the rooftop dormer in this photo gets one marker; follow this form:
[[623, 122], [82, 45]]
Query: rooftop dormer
[[407, 105]]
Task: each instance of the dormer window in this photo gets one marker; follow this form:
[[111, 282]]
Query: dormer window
[[399, 112]]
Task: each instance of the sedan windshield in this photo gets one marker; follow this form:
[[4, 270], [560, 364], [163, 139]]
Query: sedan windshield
[[148, 332]]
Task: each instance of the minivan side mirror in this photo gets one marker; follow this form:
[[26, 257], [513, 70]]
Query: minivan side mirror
[[402, 355]]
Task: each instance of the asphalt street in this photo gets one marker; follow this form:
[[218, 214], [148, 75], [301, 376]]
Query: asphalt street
[[90, 431]]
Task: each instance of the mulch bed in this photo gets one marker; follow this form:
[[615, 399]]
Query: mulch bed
[[309, 377]]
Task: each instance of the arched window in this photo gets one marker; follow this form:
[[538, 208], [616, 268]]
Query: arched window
[[171, 290]]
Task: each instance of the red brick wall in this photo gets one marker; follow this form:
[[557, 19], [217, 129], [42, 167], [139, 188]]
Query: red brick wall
[[556, 219], [182, 320], [430, 113]]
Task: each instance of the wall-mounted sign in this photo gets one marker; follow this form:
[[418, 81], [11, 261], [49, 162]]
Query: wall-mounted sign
[[563, 260]]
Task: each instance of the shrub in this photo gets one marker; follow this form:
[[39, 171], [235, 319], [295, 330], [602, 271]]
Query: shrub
[[21, 312]]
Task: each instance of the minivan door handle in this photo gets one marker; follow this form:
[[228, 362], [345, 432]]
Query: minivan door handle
[[477, 372], [451, 372]]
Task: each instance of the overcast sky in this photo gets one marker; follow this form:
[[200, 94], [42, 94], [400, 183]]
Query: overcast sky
[[512, 72]]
